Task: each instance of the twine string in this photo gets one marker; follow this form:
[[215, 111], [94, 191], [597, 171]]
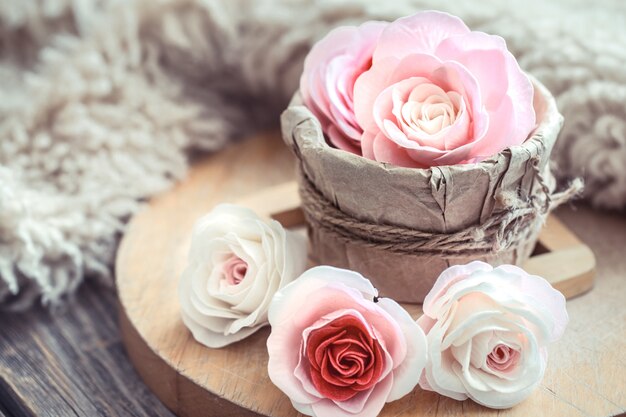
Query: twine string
[[498, 233]]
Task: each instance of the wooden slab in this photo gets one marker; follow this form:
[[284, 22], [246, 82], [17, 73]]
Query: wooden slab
[[193, 380]]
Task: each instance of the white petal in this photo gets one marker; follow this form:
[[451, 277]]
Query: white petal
[[446, 279]]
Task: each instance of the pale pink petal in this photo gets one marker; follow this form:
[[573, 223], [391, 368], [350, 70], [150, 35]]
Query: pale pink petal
[[337, 138], [303, 373], [395, 147], [537, 288], [367, 88], [522, 92], [314, 95], [386, 150], [448, 278], [327, 81], [383, 74], [371, 408], [367, 144], [499, 133], [416, 65], [435, 157], [439, 372], [426, 323], [305, 409], [407, 374], [420, 33], [484, 57], [499, 74], [452, 76], [284, 355]]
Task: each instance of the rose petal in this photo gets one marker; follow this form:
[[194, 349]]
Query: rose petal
[[407, 374], [386, 150], [371, 407], [498, 73], [327, 82], [421, 32], [439, 372], [448, 278], [537, 288]]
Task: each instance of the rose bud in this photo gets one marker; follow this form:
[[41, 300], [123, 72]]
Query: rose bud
[[237, 261], [336, 349], [327, 82], [487, 332]]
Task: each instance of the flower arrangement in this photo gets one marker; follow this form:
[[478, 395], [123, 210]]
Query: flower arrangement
[[422, 144], [419, 92], [339, 348]]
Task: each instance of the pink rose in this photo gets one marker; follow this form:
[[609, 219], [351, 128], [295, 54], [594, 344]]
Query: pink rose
[[337, 350], [439, 94], [487, 332], [327, 83]]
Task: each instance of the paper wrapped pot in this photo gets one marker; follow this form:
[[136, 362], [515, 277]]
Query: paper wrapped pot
[[401, 227]]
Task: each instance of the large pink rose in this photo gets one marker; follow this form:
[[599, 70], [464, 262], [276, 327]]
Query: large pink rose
[[327, 82], [440, 94], [488, 330], [336, 349]]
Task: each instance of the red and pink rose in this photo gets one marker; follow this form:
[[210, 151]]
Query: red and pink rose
[[337, 349]]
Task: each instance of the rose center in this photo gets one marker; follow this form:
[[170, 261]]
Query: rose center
[[430, 109], [503, 358], [235, 270], [344, 358]]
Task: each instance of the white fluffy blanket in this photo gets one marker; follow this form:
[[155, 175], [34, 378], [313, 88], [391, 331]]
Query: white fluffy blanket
[[101, 102]]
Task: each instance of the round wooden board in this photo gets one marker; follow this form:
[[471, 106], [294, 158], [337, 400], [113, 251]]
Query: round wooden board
[[585, 375]]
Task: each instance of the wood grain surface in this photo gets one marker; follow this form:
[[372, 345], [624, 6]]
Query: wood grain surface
[[70, 362], [585, 376]]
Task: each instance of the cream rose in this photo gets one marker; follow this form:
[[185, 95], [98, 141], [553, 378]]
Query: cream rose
[[487, 332], [237, 262]]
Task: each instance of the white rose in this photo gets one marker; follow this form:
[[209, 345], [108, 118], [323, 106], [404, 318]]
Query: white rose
[[487, 332], [237, 262]]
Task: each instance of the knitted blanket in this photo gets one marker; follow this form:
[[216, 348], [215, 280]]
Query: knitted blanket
[[103, 101]]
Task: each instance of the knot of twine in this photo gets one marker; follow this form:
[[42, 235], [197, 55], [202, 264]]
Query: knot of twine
[[499, 232]]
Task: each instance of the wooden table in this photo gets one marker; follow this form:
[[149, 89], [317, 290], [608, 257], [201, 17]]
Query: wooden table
[[71, 362]]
